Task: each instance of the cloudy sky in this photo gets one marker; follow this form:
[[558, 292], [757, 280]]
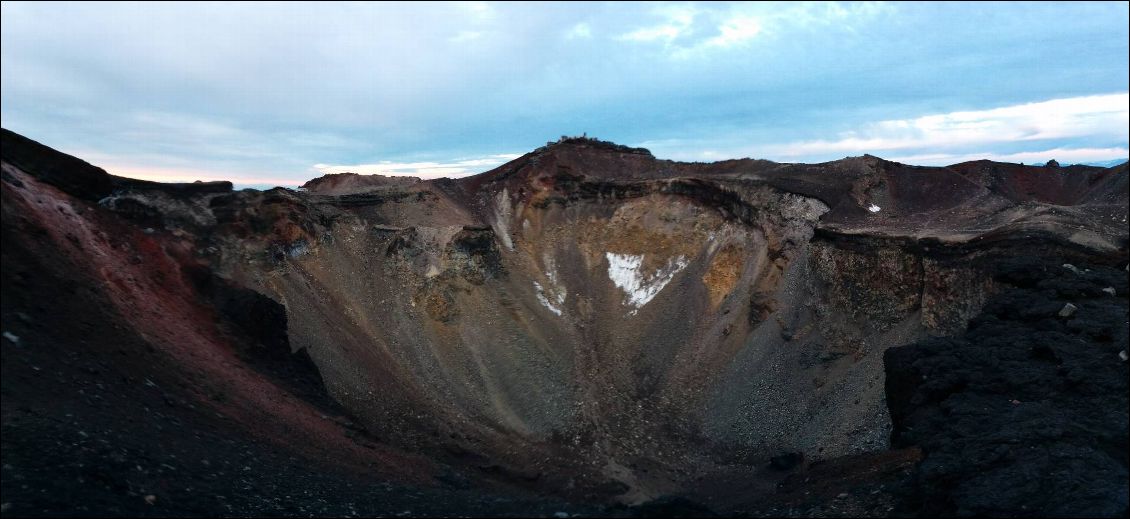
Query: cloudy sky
[[274, 94]]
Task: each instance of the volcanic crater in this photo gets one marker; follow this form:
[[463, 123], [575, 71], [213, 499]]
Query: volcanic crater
[[586, 329]]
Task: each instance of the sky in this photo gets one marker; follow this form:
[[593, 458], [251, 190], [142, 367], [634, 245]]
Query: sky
[[276, 94]]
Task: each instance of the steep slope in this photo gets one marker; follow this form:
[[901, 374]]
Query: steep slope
[[585, 320]]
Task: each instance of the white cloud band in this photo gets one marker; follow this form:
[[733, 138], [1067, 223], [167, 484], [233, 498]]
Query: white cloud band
[[426, 170], [1100, 117]]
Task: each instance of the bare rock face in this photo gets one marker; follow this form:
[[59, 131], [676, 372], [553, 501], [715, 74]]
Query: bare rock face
[[586, 320], [350, 183]]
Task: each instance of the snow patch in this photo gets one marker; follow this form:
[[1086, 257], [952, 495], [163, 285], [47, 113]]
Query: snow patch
[[559, 298], [626, 273], [553, 295]]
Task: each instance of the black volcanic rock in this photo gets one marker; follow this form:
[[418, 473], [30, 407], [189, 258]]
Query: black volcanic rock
[[786, 461], [175, 189], [671, 506], [70, 174], [1026, 413]]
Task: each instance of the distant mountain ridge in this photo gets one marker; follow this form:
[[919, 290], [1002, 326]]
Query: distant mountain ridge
[[1100, 164]]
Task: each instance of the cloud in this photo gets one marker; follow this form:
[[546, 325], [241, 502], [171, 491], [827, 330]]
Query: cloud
[[1072, 130], [1063, 155], [736, 30], [453, 169], [580, 31], [825, 14], [677, 22], [739, 24], [1103, 117], [658, 32], [479, 11]]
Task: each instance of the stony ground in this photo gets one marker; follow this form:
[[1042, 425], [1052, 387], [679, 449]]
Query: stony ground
[[1025, 414]]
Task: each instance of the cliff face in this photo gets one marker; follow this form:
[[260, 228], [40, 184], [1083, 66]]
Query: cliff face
[[586, 319]]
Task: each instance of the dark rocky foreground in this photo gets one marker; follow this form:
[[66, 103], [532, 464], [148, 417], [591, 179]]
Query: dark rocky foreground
[[467, 347], [1025, 414]]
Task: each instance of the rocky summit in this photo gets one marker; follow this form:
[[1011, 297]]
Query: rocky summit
[[585, 330]]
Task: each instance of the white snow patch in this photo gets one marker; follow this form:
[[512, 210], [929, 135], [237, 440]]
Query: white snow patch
[[874, 208], [560, 298], [625, 272]]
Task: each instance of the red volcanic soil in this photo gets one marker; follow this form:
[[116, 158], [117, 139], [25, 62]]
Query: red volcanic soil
[[125, 394], [1051, 184]]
